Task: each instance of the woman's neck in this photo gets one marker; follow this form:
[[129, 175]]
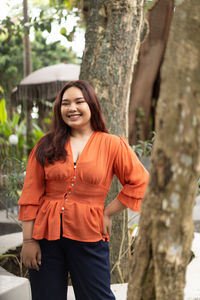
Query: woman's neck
[[77, 133]]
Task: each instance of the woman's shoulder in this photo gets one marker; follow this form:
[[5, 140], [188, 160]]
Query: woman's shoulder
[[108, 137], [109, 140]]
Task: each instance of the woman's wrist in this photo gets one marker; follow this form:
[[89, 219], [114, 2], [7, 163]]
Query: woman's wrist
[[106, 212], [30, 240], [113, 208]]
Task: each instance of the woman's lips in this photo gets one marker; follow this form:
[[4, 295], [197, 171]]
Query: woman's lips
[[74, 117]]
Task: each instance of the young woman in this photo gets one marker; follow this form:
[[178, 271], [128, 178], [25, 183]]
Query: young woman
[[66, 227]]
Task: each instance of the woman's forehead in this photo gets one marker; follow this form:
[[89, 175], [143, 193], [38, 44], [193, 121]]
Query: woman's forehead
[[72, 92]]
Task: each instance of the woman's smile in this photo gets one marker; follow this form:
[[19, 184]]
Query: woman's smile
[[74, 117]]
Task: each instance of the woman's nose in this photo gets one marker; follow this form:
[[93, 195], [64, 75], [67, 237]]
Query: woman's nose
[[72, 107]]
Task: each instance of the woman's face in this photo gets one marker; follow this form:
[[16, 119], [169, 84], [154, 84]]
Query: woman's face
[[75, 111]]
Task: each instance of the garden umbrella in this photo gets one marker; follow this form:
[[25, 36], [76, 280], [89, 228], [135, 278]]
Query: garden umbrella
[[45, 82]]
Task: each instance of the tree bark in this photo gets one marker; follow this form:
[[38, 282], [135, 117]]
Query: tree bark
[[27, 71], [166, 228], [147, 71], [27, 45], [112, 43]]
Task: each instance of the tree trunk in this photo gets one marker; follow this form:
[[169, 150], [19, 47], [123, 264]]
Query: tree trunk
[[112, 43], [166, 228], [27, 46], [147, 71], [27, 71]]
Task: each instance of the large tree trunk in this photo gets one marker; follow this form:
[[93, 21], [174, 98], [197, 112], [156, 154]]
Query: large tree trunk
[[166, 227], [27, 71], [147, 71], [112, 43], [27, 45]]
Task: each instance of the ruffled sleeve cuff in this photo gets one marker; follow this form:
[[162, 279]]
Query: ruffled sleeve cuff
[[132, 203], [27, 212], [132, 175]]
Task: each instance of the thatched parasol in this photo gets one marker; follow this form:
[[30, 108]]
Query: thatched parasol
[[45, 82]]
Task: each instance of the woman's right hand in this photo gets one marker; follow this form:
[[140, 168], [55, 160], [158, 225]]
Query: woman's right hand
[[31, 255]]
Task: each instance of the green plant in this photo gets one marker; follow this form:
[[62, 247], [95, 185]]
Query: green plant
[[16, 126], [11, 261], [12, 172], [4, 256], [3, 112], [144, 148]]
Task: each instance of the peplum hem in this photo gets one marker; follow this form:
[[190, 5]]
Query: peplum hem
[[80, 222]]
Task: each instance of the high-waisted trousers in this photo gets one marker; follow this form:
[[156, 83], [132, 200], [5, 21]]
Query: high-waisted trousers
[[86, 262]]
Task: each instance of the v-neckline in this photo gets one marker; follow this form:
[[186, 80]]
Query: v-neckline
[[84, 148]]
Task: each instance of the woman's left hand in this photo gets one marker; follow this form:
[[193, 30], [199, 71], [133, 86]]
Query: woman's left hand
[[110, 210], [107, 224]]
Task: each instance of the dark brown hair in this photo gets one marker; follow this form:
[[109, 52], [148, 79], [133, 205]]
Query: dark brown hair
[[51, 147]]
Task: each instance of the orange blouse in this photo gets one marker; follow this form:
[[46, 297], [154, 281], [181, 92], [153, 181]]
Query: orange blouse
[[78, 192]]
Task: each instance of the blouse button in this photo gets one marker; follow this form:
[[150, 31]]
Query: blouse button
[[72, 184], [74, 177], [69, 193], [66, 199], [62, 208]]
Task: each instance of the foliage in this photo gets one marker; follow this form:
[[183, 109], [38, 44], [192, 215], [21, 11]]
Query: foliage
[[68, 4], [77, 8], [16, 125], [45, 54], [149, 4], [11, 261], [11, 59], [56, 12], [144, 148], [3, 112], [17, 25], [12, 30], [13, 170]]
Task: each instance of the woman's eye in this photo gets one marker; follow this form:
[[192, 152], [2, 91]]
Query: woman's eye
[[65, 103], [79, 102]]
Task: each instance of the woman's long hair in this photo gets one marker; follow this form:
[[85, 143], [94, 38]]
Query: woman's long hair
[[51, 147]]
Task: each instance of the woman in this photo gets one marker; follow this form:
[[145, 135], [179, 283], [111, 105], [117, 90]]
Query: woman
[[65, 225]]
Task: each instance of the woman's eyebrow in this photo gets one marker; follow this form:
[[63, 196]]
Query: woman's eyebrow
[[78, 98]]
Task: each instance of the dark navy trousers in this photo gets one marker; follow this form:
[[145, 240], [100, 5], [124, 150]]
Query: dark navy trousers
[[87, 263]]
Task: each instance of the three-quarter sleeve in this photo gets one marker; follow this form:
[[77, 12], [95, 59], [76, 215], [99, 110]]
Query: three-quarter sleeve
[[33, 189], [132, 175]]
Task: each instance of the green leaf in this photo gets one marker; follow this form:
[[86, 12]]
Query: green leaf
[[41, 13], [15, 120], [48, 27], [47, 120], [63, 31], [3, 112], [37, 135]]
